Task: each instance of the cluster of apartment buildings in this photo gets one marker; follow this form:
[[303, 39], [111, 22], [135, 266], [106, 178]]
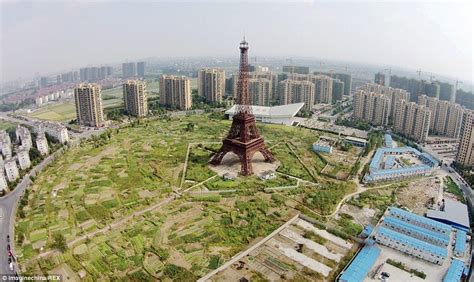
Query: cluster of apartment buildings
[[10, 164], [132, 69], [381, 106], [88, 101], [53, 97], [294, 85]]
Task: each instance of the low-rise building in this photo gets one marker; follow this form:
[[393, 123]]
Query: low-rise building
[[11, 170], [359, 142], [322, 147], [284, 114]]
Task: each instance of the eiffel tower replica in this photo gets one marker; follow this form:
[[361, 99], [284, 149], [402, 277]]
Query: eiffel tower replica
[[243, 138]]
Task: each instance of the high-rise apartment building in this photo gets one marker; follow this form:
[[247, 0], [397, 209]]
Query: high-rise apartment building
[[259, 75], [372, 107], [89, 110], [135, 98], [465, 155], [337, 90], [141, 69], [296, 69], [446, 91], [129, 70], [211, 84], [260, 91], [294, 91], [379, 78], [93, 74], [175, 91], [344, 77], [429, 88], [446, 116], [323, 88], [412, 120], [396, 95]]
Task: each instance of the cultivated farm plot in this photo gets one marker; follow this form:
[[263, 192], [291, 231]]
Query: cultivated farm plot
[[104, 180]]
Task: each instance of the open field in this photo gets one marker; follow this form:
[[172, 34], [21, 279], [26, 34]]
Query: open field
[[4, 125], [127, 171], [56, 112]]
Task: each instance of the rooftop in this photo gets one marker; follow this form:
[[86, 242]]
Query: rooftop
[[413, 242], [454, 212], [434, 236], [361, 264], [455, 271], [289, 110], [411, 216]]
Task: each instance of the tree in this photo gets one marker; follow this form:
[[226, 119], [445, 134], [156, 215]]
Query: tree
[[34, 154], [59, 242], [190, 126]]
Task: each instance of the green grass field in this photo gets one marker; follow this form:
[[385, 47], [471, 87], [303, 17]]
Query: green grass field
[[4, 125], [56, 112]]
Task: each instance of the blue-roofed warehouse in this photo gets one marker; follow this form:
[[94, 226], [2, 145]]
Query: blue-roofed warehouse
[[460, 245], [361, 264], [416, 231], [418, 220], [410, 245], [388, 172], [454, 272]]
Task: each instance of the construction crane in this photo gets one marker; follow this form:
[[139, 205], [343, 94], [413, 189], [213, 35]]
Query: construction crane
[[419, 74]]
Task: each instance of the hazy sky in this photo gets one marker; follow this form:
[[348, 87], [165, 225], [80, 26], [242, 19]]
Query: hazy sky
[[50, 36]]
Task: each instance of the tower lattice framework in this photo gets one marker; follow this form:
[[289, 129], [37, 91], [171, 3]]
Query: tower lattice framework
[[243, 138]]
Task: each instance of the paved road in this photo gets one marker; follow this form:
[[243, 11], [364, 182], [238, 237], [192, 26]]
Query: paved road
[[8, 203]]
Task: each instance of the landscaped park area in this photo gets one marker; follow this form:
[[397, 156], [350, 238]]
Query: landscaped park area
[[141, 203]]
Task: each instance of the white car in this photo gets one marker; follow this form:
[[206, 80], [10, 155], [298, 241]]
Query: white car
[[11, 266]]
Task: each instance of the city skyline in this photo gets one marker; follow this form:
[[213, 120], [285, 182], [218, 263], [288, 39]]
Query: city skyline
[[41, 36]]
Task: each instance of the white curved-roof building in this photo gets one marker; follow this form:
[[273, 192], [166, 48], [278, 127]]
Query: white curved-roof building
[[284, 114]]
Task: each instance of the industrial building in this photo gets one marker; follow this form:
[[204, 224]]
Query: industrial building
[[453, 213], [416, 237], [360, 266], [455, 271], [277, 114], [421, 221], [382, 167], [410, 245], [359, 142]]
